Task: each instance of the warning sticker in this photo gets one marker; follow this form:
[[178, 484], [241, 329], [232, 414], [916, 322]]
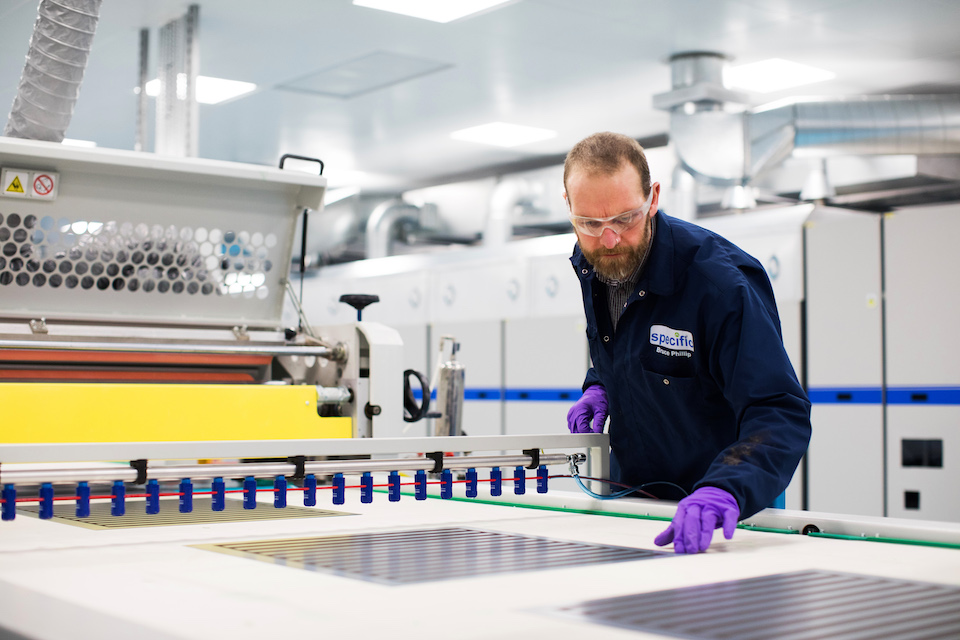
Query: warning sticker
[[23, 183], [45, 185], [13, 182]]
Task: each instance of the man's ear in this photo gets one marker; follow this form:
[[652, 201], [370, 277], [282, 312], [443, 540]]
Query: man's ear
[[654, 199]]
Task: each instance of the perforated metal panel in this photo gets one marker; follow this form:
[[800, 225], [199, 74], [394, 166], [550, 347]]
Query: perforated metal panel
[[427, 555], [126, 257], [136, 516], [805, 605], [145, 238]]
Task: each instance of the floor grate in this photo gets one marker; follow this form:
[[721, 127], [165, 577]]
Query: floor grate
[[405, 557], [805, 605], [170, 515]]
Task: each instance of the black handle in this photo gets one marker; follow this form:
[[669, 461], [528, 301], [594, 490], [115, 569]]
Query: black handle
[[284, 157], [412, 412], [359, 300]]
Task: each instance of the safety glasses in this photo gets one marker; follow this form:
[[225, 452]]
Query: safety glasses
[[618, 224]]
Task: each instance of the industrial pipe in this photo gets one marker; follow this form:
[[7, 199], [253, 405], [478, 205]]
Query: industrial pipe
[[380, 225], [56, 61], [722, 142]]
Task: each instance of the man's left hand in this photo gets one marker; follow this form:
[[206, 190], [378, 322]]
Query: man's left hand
[[698, 514]]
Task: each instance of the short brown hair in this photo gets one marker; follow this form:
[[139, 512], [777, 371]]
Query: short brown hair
[[604, 153]]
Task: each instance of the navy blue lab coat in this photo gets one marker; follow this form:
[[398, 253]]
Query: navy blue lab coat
[[700, 389]]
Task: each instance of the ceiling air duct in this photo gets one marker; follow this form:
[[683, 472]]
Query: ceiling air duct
[[722, 142], [51, 78]]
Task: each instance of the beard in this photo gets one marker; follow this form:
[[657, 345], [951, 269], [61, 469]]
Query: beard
[[620, 262]]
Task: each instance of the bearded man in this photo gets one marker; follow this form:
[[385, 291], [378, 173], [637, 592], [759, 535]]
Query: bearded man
[[688, 359]]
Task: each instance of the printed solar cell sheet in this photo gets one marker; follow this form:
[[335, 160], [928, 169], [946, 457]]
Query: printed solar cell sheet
[[136, 516], [804, 605], [405, 557]]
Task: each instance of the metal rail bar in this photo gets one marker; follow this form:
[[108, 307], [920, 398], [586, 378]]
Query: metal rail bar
[[267, 469]]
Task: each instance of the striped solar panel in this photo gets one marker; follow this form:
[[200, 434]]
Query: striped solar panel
[[404, 557], [805, 605]]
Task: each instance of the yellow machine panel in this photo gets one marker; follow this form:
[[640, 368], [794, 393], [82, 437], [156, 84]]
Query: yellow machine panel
[[37, 412]]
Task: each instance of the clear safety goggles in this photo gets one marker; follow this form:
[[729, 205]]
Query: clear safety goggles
[[618, 224]]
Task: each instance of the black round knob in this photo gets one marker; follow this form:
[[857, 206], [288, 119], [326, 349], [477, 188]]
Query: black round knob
[[359, 300]]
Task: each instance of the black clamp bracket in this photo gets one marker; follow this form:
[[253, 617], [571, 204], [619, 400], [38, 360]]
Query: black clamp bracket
[[437, 457], [299, 462], [535, 457], [141, 467]]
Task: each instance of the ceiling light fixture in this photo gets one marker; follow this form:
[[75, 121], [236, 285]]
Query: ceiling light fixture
[[210, 90], [502, 134], [434, 10], [774, 74]]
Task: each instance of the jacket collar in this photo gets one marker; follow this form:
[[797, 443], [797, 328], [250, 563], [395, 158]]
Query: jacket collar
[[658, 275]]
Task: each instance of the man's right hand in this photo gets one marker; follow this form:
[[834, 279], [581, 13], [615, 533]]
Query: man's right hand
[[589, 413]]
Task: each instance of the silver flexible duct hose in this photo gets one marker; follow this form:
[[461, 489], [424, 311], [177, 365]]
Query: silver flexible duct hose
[[56, 60], [380, 225]]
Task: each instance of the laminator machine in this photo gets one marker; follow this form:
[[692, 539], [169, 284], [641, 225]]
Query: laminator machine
[[176, 463], [143, 299]]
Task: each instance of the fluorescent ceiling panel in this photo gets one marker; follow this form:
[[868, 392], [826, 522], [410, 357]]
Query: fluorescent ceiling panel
[[774, 74], [210, 90], [434, 10], [368, 73], [503, 134]]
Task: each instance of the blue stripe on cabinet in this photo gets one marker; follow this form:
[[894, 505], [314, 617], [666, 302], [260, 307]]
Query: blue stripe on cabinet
[[923, 395], [515, 395], [544, 395], [845, 395], [481, 394], [895, 395]]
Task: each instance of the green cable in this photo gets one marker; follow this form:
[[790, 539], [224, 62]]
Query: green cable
[[919, 543], [746, 527]]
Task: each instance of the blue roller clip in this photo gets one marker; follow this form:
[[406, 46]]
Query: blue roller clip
[[542, 479], [117, 504], [46, 501], [496, 481], [9, 502], [218, 500], [153, 497], [280, 492], [471, 483], [249, 492], [394, 487], [519, 481], [366, 488], [446, 484], [186, 496], [420, 485], [83, 500], [339, 490], [310, 490]]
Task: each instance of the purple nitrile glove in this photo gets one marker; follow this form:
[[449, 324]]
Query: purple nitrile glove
[[697, 516], [592, 405]]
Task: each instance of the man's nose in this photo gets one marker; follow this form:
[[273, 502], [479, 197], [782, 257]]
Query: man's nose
[[609, 238]]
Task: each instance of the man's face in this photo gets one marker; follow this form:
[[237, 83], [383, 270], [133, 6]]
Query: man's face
[[589, 195]]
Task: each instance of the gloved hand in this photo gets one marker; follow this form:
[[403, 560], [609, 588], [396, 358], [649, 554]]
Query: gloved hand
[[592, 405], [697, 516]]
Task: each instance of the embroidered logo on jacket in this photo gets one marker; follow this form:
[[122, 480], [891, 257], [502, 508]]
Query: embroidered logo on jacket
[[671, 342]]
